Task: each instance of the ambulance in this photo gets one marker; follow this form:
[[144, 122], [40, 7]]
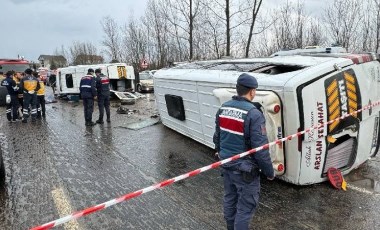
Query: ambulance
[[121, 77], [296, 92]]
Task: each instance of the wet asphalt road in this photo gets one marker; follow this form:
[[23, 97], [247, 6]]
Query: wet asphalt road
[[57, 166]]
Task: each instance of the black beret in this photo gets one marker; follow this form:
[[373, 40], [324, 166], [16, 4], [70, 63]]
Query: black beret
[[248, 81], [9, 73], [90, 71], [28, 71]]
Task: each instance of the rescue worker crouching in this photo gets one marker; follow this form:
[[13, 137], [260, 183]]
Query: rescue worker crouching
[[103, 88], [88, 94], [240, 126], [12, 89], [29, 85], [41, 109]]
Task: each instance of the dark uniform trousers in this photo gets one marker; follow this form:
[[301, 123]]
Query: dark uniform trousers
[[88, 104], [12, 108], [30, 99], [241, 199], [104, 103], [41, 105]]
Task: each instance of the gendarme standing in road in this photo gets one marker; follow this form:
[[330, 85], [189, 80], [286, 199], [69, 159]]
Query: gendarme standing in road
[[103, 87], [240, 126], [88, 94]]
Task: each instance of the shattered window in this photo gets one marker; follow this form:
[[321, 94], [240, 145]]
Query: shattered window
[[228, 66], [256, 67]]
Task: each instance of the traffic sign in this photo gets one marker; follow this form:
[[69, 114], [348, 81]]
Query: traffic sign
[[144, 63]]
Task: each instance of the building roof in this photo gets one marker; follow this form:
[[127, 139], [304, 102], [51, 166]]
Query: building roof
[[56, 58], [89, 56]]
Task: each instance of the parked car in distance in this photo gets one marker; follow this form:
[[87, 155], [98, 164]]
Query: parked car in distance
[[146, 81]]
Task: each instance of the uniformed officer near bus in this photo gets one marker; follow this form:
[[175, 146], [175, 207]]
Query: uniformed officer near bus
[[12, 89], [88, 94], [240, 126], [103, 88], [29, 85]]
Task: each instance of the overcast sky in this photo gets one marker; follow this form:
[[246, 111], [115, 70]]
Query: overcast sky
[[33, 27]]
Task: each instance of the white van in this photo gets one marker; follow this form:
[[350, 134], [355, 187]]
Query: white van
[[295, 93], [121, 77]]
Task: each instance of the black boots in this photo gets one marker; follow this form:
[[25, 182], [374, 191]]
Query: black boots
[[90, 123]]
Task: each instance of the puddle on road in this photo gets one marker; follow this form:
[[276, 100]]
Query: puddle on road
[[142, 124], [363, 178]]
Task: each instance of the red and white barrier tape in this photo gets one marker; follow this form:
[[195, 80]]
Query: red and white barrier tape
[[131, 195]]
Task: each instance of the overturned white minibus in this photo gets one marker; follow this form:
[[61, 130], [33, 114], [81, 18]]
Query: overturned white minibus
[[295, 92], [121, 77]]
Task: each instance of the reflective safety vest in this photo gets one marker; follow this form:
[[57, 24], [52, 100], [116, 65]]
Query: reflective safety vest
[[232, 116], [87, 87], [103, 85], [29, 83], [41, 91]]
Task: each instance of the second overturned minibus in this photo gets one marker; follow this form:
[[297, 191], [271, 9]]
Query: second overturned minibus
[[121, 77], [295, 93]]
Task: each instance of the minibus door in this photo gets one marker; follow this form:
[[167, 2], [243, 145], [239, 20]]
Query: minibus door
[[333, 144]]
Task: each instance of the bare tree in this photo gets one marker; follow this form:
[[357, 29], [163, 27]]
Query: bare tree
[[62, 52], [289, 28], [111, 39], [376, 27], [343, 18], [315, 34], [156, 20], [135, 42], [84, 53], [182, 14], [255, 11], [232, 13]]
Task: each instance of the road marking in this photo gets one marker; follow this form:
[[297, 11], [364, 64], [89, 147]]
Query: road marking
[[362, 190], [64, 208]]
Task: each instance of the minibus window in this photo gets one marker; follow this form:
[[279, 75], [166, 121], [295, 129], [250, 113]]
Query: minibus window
[[69, 81]]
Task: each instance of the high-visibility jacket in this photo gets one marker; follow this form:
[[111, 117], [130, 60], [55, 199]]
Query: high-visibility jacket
[[20, 93], [29, 84], [41, 91]]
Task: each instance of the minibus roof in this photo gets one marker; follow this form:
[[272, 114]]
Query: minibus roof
[[227, 70]]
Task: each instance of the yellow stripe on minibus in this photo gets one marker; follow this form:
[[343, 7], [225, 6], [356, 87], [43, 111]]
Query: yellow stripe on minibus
[[352, 96], [333, 125], [334, 106], [351, 87], [333, 86], [333, 97], [349, 78]]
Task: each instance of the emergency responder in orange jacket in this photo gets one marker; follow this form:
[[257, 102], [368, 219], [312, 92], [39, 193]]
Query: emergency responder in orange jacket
[[20, 96], [29, 85], [41, 98]]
